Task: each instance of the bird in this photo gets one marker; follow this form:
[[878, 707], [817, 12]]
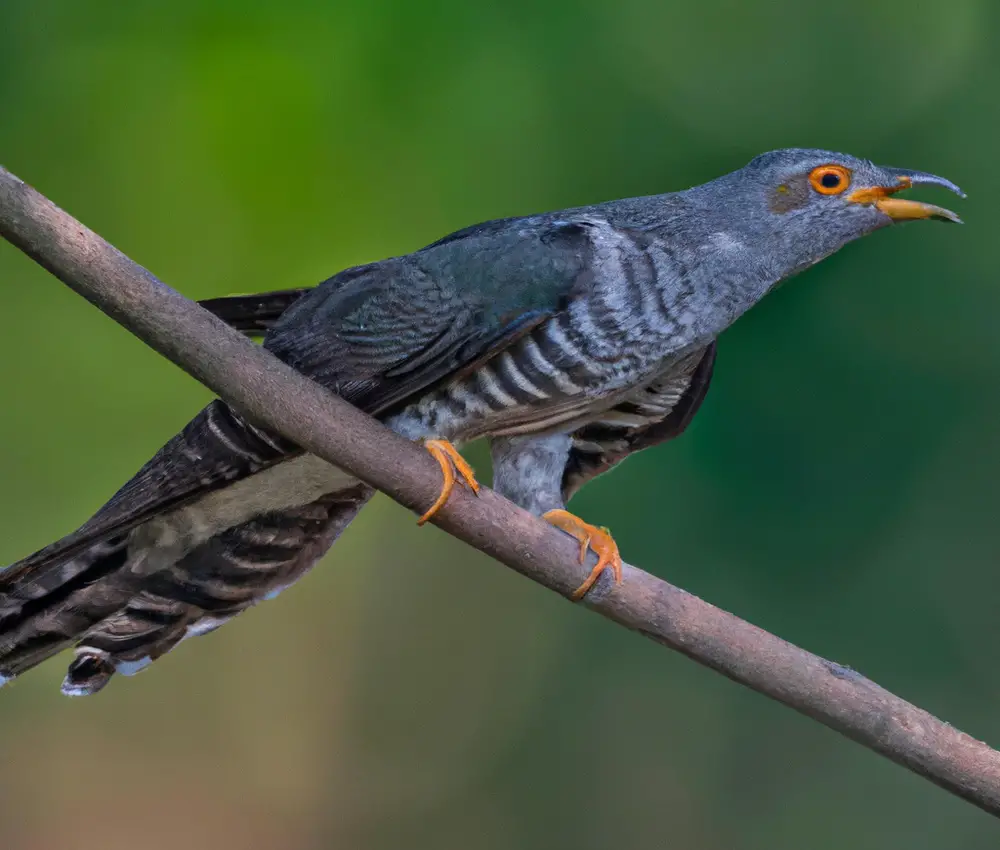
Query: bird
[[569, 340]]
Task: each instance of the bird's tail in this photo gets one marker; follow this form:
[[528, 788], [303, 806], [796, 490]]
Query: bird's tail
[[44, 606], [253, 314], [122, 617]]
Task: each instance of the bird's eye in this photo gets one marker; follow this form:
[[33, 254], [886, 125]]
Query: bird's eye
[[830, 179]]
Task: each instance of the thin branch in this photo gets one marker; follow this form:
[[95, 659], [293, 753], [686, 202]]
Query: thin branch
[[271, 393]]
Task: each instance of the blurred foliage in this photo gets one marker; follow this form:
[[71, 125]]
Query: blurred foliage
[[838, 488]]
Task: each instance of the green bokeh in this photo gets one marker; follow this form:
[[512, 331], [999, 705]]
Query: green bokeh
[[839, 487]]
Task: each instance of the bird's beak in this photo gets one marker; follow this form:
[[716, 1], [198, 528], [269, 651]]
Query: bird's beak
[[899, 209]]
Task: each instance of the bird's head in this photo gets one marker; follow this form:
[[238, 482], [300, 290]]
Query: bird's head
[[805, 204]]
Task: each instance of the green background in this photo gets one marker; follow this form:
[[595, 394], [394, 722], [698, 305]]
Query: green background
[[839, 487]]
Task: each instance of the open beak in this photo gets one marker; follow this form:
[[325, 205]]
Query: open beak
[[899, 209]]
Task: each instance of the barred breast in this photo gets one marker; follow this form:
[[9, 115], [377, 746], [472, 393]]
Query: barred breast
[[617, 332]]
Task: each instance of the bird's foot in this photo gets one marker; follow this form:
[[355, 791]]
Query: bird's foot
[[451, 463], [590, 537]]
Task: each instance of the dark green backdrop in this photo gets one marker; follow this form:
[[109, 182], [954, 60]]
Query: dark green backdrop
[[839, 487]]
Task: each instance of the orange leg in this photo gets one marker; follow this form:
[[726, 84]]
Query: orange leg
[[590, 537], [451, 462]]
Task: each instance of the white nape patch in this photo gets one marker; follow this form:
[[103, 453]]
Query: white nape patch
[[295, 482], [5, 679], [204, 626], [130, 668]]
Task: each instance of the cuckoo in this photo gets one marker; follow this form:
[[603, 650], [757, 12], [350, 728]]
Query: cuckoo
[[569, 340]]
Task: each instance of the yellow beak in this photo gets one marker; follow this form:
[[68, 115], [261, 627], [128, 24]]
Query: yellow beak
[[898, 209]]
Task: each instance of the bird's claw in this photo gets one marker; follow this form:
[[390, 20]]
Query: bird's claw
[[451, 463], [592, 537]]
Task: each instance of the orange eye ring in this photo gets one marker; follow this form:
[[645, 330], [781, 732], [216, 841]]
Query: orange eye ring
[[830, 179]]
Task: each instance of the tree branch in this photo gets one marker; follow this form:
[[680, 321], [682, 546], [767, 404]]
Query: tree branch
[[270, 392]]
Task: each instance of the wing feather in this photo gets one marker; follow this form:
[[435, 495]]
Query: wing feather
[[377, 335], [253, 314], [676, 398]]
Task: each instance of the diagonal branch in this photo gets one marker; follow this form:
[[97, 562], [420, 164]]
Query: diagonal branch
[[272, 393]]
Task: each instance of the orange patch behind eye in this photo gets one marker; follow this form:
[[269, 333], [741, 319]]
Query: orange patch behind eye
[[830, 179]]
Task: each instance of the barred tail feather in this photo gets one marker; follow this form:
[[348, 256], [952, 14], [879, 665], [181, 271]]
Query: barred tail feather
[[45, 608], [123, 619]]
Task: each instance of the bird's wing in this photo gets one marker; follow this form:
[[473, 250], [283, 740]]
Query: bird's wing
[[377, 335], [660, 413], [380, 335], [253, 314]]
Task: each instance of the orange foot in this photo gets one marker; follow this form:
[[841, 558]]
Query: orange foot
[[451, 462], [590, 537]]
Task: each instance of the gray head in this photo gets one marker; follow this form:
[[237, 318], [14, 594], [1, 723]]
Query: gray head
[[801, 205]]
